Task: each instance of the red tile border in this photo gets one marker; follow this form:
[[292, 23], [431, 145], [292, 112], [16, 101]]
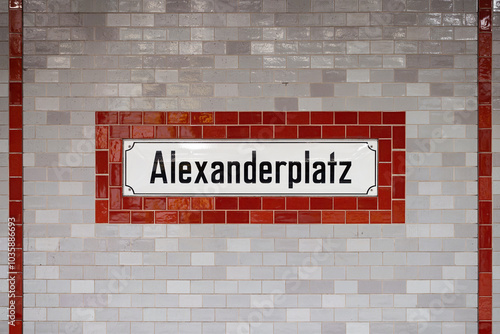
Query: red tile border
[[484, 168], [387, 207], [15, 220]]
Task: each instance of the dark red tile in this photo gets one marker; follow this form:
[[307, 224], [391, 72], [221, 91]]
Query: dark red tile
[[333, 217], [115, 198], [285, 217], [484, 140], [484, 116], [238, 132], [485, 308], [101, 190], [484, 92], [16, 141], [380, 217], [485, 4], [297, 117], [177, 117], [485, 20], [358, 132], [321, 117], [166, 132], [384, 150], [16, 211], [178, 203], [398, 212], [250, 203], [189, 217], [16, 45], [120, 131], [187, 131], [485, 327], [485, 284], [357, 217], [262, 132], [119, 217], [485, 188], [15, 189], [154, 203], [378, 132], [297, 203], [485, 236], [15, 93], [398, 162], [18, 326], [132, 203], [391, 117], [15, 117], [273, 203], [15, 165], [115, 150], [155, 117], [202, 118], [367, 203], [370, 117], [101, 137], [130, 117], [15, 4], [484, 69], [115, 175], [166, 217], [345, 203], [309, 131], [226, 203], [202, 203], [250, 117], [106, 117], [485, 164], [238, 217], [16, 21], [212, 132], [384, 198], [101, 162], [384, 174], [18, 238], [399, 137], [226, 117], [484, 212], [261, 217], [321, 203], [143, 217], [333, 131], [143, 132], [214, 217], [16, 69], [285, 132], [309, 217], [485, 45], [274, 117], [346, 117], [398, 187]]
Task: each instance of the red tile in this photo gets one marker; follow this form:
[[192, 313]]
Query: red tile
[[273, 203], [485, 327], [285, 217], [177, 117], [391, 117], [178, 203], [15, 165], [261, 217], [333, 131], [485, 284], [16, 141], [384, 198], [485, 164], [484, 69], [485, 20], [18, 262], [370, 117], [274, 117], [384, 150], [250, 203], [285, 132], [189, 217], [238, 132], [18, 327], [142, 132], [357, 217], [119, 131], [399, 137], [101, 162], [485, 4], [166, 217], [202, 203], [238, 217], [101, 186], [154, 203], [16, 21], [166, 132], [214, 132], [321, 203], [484, 140], [484, 308], [16, 45], [250, 117], [309, 217], [226, 203], [15, 93], [484, 188], [484, 92], [384, 174], [398, 162], [115, 175], [484, 212], [297, 203], [485, 45], [101, 137], [187, 131], [202, 118], [367, 203], [333, 217], [321, 117], [106, 117], [398, 188], [15, 117], [358, 132], [130, 117], [380, 217], [297, 117], [310, 131], [346, 117], [226, 117], [101, 211], [15, 4], [16, 69], [132, 203], [398, 211], [485, 236], [119, 217], [115, 150], [143, 217], [484, 116], [214, 217], [115, 198], [377, 132], [345, 203], [155, 117], [262, 132], [16, 211]]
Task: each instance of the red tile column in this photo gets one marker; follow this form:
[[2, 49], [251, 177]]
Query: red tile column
[[15, 224], [484, 168]]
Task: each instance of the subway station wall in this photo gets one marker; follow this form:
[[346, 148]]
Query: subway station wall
[[81, 57]]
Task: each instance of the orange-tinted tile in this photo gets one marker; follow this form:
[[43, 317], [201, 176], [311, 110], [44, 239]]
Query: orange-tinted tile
[[141, 132], [187, 131], [178, 203], [485, 308], [166, 217], [333, 217], [202, 203], [202, 117], [398, 211], [357, 217], [155, 117], [166, 132], [143, 217], [177, 117], [189, 217], [155, 203], [130, 117], [380, 217]]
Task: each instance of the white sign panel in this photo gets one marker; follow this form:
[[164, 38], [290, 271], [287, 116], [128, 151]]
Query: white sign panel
[[260, 168]]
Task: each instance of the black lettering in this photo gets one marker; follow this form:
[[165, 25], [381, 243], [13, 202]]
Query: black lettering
[[184, 168], [319, 176], [231, 164], [332, 163], [218, 172], [298, 177], [278, 165], [265, 168], [162, 174], [201, 172], [172, 166], [347, 165], [307, 167], [247, 165]]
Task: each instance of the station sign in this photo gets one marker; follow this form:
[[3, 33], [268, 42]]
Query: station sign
[[161, 167]]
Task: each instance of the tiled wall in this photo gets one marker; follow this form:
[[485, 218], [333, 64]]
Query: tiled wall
[[243, 56]]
